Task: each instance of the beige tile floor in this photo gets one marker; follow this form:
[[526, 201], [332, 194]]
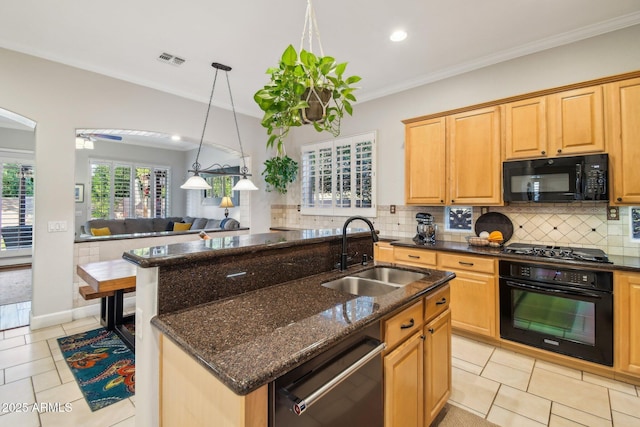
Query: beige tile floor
[[504, 387], [511, 389], [34, 377]]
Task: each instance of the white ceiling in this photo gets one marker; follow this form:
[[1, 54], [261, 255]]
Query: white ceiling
[[123, 38]]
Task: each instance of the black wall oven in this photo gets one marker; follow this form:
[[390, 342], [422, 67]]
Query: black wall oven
[[559, 309]]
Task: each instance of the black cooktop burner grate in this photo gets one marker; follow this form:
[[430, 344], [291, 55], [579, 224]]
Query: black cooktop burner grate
[[557, 252]]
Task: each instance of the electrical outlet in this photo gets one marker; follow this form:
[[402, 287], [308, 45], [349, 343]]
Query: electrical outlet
[[613, 213], [392, 209]]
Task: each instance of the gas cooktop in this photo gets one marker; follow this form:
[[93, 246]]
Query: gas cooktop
[[557, 252]]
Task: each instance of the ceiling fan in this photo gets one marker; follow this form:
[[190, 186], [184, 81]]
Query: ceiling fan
[[84, 141]]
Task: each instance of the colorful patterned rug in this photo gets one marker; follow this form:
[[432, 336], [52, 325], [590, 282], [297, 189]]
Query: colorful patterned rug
[[103, 366]]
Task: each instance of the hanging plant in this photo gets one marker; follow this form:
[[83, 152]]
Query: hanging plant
[[280, 171], [308, 89]]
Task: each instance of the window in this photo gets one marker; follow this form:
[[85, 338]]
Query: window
[[458, 218], [16, 204], [124, 190], [221, 186], [338, 177]]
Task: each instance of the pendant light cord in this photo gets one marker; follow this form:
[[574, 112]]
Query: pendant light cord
[[244, 170], [196, 165]]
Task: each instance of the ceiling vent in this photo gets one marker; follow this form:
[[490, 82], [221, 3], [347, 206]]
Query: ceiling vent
[[171, 59]]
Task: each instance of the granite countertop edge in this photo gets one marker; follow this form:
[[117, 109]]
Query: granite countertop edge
[[619, 263], [245, 374], [180, 253]]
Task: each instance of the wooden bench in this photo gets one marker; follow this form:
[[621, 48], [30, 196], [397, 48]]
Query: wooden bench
[[109, 281]]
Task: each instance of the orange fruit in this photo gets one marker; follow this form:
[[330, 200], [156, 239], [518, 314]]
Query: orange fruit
[[496, 236]]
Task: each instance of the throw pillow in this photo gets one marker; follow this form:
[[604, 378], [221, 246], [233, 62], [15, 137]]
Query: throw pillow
[[170, 226], [181, 226], [104, 231]]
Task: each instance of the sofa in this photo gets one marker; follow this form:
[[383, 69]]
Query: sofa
[[110, 227]]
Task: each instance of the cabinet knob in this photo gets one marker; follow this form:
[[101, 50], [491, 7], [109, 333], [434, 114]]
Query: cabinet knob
[[453, 201], [408, 325], [543, 152], [559, 150], [431, 330], [441, 201], [619, 199]]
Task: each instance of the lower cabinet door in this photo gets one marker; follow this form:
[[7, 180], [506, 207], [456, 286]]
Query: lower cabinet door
[[403, 384], [437, 365]]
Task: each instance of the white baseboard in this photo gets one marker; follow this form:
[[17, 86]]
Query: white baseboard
[[53, 319]]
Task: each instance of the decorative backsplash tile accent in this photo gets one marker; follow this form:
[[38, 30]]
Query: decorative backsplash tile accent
[[571, 224]]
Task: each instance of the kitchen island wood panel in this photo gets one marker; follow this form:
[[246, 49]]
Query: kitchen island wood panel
[[627, 323], [191, 396]]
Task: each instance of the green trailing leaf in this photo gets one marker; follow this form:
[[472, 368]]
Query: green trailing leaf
[[281, 99], [279, 172]]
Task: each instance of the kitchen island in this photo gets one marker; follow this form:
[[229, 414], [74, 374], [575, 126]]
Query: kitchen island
[[246, 310]]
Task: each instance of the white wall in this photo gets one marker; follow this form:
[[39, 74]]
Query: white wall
[[605, 55], [61, 99]]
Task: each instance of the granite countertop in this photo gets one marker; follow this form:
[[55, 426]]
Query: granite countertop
[[251, 339], [178, 253], [618, 262]]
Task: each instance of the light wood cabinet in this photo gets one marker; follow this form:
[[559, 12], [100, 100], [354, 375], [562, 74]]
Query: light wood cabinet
[[383, 252], [474, 157], [623, 125], [576, 121], [403, 384], [627, 322], [437, 365], [417, 366], [525, 128], [425, 173], [473, 292], [414, 257]]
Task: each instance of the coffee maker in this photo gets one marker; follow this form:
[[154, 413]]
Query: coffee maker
[[426, 229]]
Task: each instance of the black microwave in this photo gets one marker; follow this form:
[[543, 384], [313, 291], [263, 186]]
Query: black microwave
[[560, 179]]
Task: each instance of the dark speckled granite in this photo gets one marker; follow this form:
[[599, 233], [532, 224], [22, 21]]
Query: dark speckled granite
[[228, 273], [618, 262], [251, 339]]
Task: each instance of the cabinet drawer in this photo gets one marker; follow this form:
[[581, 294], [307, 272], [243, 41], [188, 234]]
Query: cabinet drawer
[[464, 262], [403, 324], [417, 257], [437, 302]]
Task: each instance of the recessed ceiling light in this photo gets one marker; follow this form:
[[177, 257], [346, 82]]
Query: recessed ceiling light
[[175, 138], [398, 36]]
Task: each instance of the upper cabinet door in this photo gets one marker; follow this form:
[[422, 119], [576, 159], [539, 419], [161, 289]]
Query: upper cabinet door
[[525, 128], [623, 126], [576, 123], [425, 173], [475, 161]]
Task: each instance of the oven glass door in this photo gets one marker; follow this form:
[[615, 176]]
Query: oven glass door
[[565, 320]]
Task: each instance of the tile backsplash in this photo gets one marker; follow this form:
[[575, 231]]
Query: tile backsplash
[[570, 224]]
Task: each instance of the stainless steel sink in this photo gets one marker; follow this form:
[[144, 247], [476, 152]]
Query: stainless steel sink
[[361, 286], [391, 275], [375, 282]]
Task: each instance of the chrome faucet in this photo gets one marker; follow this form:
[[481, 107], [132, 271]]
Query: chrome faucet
[[343, 257]]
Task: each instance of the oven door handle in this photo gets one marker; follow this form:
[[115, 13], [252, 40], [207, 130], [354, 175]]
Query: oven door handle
[[552, 290]]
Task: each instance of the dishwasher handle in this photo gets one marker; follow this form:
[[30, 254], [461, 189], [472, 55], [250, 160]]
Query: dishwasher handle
[[301, 405]]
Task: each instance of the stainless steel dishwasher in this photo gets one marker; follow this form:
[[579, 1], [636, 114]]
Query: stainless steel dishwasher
[[342, 387]]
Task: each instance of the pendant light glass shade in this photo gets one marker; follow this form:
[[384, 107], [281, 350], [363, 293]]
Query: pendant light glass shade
[[195, 182], [244, 184]]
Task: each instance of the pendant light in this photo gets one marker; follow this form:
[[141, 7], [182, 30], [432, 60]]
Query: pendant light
[[196, 182]]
